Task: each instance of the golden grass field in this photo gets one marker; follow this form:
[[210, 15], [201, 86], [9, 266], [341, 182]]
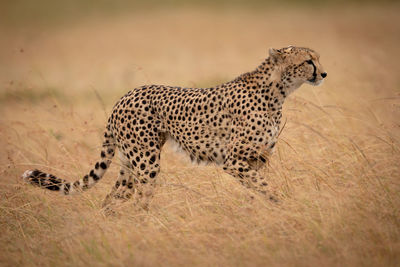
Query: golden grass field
[[336, 166]]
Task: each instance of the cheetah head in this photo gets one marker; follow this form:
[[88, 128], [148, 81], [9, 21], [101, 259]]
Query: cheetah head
[[298, 65]]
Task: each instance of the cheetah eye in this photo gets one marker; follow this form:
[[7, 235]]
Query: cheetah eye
[[309, 61]]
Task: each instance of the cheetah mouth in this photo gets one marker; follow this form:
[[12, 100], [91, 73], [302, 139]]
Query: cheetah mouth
[[313, 79]]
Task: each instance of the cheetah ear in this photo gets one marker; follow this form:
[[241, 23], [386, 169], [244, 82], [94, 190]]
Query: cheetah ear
[[275, 54]]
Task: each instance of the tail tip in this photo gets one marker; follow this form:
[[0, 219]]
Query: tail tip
[[29, 174], [26, 174]]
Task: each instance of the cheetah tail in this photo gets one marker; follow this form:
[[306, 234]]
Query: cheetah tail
[[51, 182]]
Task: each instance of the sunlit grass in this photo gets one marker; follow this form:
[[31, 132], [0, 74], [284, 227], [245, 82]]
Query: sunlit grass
[[335, 168]]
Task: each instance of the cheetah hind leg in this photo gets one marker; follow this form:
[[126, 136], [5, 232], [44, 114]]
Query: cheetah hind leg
[[119, 192], [128, 187], [124, 190], [137, 177]]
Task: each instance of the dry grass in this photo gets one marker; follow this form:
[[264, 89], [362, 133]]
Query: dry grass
[[336, 164]]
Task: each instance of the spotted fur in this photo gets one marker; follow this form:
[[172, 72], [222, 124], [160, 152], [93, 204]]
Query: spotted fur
[[234, 124]]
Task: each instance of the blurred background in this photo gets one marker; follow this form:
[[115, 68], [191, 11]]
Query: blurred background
[[76, 49], [63, 65], [70, 46]]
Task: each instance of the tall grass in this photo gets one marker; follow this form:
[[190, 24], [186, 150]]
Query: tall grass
[[336, 167]]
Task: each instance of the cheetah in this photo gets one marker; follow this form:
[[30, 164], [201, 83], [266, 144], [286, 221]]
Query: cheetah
[[235, 124]]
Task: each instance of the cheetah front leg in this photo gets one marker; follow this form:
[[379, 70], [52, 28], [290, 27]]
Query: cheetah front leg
[[246, 173]]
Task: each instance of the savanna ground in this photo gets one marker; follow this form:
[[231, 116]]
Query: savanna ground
[[336, 166]]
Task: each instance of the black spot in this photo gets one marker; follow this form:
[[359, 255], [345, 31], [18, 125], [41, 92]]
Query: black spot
[[153, 174], [35, 173], [55, 184], [152, 159], [95, 177], [85, 181], [66, 188], [76, 184], [103, 165]]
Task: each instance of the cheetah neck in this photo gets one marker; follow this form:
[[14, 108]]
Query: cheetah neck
[[273, 72], [267, 90], [268, 80], [273, 88], [271, 84]]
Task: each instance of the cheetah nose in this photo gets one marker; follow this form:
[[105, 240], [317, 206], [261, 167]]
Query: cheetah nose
[[324, 74]]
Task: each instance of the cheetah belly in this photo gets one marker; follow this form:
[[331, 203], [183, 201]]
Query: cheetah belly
[[202, 142], [208, 147], [211, 156]]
